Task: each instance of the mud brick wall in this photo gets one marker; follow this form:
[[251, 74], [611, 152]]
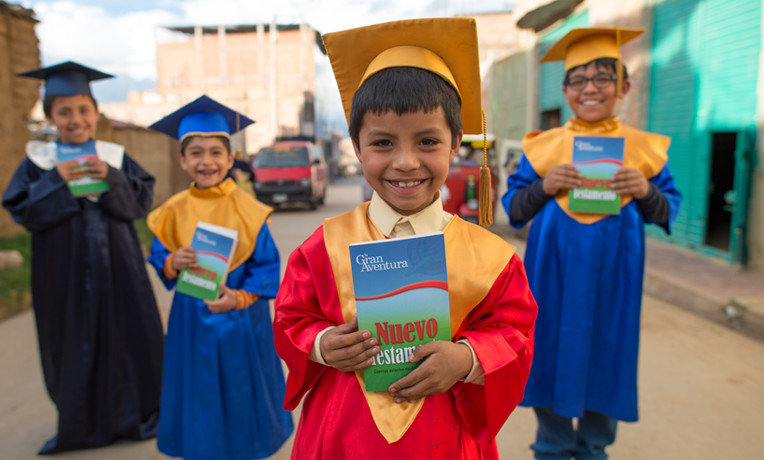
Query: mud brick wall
[[18, 52]]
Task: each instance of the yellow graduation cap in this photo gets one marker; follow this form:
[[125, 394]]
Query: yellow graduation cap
[[581, 46], [445, 46]]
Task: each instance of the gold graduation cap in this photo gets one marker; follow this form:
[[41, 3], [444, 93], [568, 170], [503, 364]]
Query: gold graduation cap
[[581, 46], [447, 47]]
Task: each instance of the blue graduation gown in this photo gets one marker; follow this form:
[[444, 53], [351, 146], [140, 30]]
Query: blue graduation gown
[[98, 327], [587, 281], [223, 385]]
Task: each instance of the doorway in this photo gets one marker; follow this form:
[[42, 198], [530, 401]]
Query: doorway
[[721, 196], [550, 119]]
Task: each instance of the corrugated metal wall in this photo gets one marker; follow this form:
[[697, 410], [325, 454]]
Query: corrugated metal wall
[[704, 79], [672, 108]]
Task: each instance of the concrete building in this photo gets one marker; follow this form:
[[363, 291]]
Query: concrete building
[[264, 71]]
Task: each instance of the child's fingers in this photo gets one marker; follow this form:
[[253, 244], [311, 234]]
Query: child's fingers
[[352, 358], [350, 326], [347, 346]]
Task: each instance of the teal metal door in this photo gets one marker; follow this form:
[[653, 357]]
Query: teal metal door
[[740, 196]]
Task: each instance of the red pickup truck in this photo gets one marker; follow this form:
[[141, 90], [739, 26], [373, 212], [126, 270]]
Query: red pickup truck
[[291, 172]]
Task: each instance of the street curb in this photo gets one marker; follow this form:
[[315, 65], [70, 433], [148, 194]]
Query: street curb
[[739, 314]]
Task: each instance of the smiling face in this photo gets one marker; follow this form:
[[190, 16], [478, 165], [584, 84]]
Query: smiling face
[[206, 160], [74, 117], [406, 157], [592, 104]]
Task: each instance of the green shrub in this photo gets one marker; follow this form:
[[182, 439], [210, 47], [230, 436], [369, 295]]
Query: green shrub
[[15, 283]]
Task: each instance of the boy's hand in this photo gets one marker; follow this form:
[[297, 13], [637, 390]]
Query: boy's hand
[[185, 257], [445, 363], [629, 181], [95, 168], [226, 302], [561, 177], [347, 349], [70, 170]]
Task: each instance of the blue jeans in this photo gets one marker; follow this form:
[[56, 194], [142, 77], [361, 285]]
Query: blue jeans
[[557, 438]]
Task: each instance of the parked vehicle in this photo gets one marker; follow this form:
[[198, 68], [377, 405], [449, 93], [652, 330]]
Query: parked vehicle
[[291, 171], [460, 193]]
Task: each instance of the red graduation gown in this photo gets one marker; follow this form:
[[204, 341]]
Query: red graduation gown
[[336, 421]]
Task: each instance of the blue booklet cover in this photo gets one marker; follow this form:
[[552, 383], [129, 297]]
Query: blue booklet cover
[[81, 152], [401, 295], [597, 158], [214, 246]]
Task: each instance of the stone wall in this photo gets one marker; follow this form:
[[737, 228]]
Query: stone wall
[[18, 53]]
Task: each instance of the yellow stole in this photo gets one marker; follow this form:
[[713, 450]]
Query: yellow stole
[[225, 204], [474, 259], [547, 149]]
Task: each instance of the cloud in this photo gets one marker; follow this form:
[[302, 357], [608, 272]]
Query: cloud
[[122, 44], [119, 36]]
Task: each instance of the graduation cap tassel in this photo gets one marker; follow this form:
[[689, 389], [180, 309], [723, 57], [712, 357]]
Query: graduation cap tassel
[[618, 66], [485, 209]]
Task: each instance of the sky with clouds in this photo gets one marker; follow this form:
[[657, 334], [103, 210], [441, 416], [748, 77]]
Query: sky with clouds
[[119, 36]]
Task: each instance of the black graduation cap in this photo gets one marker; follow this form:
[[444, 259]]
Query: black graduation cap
[[66, 79]]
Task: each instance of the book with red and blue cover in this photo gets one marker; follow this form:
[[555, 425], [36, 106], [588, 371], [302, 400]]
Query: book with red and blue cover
[[401, 296], [81, 152], [214, 246], [597, 158]]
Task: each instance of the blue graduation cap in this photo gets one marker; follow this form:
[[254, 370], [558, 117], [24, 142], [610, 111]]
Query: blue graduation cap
[[66, 79], [202, 117]]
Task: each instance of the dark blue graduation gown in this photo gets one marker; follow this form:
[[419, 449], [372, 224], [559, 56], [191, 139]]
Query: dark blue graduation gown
[[98, 327], [587, 281]]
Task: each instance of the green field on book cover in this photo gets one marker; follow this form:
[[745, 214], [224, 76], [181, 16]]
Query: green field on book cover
[[597, 159], [214, 246], [80, 153], [401, 293]]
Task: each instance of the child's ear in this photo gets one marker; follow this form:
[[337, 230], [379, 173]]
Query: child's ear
[[357, 151], [625, 87], [455, 147], [182, 160]]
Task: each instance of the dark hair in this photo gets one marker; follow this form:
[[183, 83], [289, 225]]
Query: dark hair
[[601, 63], [225, 140], [47, 103], [405, 90]]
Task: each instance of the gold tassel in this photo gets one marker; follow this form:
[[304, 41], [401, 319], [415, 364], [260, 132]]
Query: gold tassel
[[618, 65], [485, 209]]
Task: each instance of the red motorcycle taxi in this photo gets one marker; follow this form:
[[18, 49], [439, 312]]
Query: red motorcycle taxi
[[460, 193]]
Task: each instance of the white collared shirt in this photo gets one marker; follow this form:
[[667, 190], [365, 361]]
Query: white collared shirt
[[433, 218]]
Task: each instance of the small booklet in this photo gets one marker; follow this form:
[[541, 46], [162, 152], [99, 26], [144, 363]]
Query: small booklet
[[401, 296], [80, 152], [214, 246], [597, 159]]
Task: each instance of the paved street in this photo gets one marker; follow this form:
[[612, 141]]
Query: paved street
[[701, 385]]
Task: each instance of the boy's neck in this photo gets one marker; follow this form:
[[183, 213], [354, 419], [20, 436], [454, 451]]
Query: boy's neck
[[607, 124], [225, 186], [426, 220]]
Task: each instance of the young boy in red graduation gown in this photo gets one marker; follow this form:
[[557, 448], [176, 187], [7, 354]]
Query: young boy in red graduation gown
[[586, 269], [407, 88], [98, 326]]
